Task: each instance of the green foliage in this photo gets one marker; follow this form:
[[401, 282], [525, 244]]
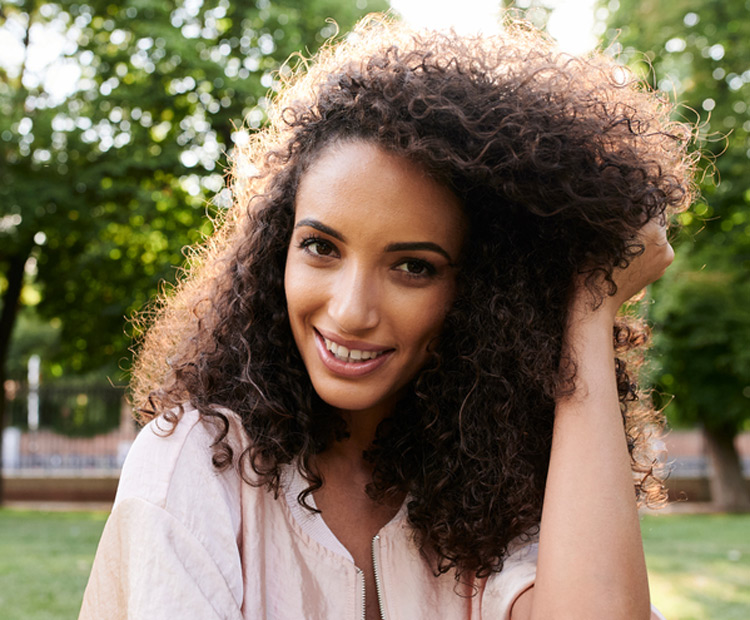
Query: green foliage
[[107, 181], [702, 333], [32, 335], [697, 51]]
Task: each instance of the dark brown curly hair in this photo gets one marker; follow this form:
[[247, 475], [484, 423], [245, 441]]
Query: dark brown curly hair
[[558, 162]]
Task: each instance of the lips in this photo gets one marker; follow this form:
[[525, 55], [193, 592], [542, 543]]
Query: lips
[[354, 360]]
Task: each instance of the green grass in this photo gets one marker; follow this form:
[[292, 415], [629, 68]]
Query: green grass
[[45, 560], [699, 565]]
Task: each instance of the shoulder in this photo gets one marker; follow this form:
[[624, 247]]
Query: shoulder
[[168, 460], [175, 514], [141, 540], [171, 477]]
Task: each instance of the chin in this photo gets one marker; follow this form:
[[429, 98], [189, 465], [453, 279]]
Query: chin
[[348, 401], [357, 398]]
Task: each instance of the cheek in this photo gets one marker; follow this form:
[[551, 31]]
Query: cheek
[[425, 319], [307, 292], [297, 290]]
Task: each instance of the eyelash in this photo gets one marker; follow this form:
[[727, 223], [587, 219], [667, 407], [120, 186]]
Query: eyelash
[[428, 269], [307, 242]]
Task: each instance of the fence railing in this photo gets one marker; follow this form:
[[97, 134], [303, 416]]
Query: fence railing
[[74, 430], [84, 429]]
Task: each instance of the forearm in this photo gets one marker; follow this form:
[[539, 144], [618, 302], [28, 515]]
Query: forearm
[[591, 562]]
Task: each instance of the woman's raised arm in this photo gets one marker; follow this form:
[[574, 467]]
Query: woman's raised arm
[[591, 563]]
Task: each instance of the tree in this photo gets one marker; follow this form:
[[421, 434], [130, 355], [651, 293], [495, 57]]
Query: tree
[[703, 331], [106, 178], [698, 52]]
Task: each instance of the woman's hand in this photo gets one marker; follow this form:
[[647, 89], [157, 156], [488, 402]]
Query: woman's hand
[[643, 269], [649, 266]]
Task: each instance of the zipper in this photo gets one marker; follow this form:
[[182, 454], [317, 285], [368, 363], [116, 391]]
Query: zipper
[[361, 575], [378, 584]]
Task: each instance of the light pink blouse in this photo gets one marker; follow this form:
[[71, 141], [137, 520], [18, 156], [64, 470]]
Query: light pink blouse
[[185, 541]]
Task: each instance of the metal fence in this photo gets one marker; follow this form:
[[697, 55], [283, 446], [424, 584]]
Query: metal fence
[[66, 429], [84, 429]]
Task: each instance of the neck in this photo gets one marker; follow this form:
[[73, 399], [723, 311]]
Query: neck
[[343, 466], [362, 427], [361, 433]]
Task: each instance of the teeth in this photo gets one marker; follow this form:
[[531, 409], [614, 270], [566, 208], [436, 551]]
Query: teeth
[[349, 355]]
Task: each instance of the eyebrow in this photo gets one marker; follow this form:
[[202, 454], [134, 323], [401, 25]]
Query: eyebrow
[[317, 225], [418, 245]]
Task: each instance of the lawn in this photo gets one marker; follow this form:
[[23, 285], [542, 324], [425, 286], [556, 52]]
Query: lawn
[[699, 564], [45, 560]]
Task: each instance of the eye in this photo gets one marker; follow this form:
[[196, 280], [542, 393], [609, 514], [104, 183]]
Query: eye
[[416, 268], [318, 246]]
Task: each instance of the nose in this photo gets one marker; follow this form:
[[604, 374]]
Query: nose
[[354, 300]]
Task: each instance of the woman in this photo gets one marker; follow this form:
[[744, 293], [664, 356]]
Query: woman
[[393, 369]]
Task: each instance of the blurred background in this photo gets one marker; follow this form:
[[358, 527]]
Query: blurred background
[[116, 122]]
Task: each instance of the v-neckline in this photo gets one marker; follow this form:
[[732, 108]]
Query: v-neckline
[[312, 523]]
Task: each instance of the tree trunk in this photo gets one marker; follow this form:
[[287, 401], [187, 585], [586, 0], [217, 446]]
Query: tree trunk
[[729, 490], [11, 297]]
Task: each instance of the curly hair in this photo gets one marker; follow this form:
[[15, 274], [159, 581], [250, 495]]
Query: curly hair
[[558, 162]]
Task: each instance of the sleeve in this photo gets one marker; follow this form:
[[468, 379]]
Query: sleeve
[[517, 576], [149, 566]]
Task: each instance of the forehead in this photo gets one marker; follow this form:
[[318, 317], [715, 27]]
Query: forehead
[[371, 192]]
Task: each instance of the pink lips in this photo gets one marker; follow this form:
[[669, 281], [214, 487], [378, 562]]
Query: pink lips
[[350, 369]]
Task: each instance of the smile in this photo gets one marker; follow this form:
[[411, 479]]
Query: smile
[[349, 355], [349, 361]]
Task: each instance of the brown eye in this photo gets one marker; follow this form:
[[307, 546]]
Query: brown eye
[[318, 247], [416, 268]]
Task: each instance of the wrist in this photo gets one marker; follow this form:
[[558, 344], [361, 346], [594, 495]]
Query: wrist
[[585, 312], [589, 330]]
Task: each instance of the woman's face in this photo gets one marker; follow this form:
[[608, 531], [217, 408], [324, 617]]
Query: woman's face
[[370, 272]]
